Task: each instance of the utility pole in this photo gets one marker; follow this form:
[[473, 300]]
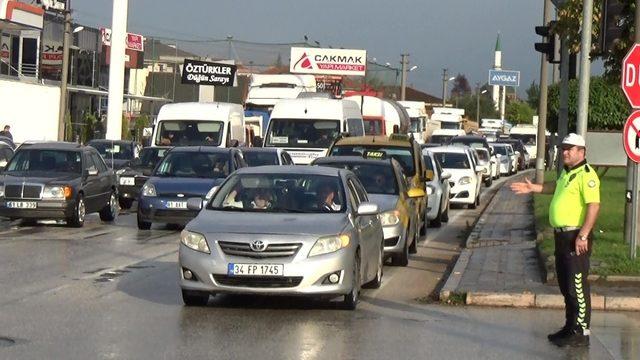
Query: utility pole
[[444, 87], [478, 103], [64, 77], [585, 68], [542, 105], [116, 69], [563, 112], [403, 80]]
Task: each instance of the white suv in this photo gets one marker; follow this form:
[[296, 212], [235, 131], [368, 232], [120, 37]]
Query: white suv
[[466, 174]]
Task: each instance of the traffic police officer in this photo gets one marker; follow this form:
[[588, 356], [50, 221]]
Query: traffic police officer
[[572, 213]]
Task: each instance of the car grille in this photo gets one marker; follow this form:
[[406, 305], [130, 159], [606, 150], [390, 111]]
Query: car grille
[[258, 281], [272, 250], [391, 241], [161, 213], [184, 196], [22, 191]]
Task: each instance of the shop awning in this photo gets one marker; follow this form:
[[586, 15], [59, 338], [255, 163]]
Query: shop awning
[[16, 12]]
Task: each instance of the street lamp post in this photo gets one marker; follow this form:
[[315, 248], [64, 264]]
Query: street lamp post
[[444, 86], [62, 110], [478, 92]]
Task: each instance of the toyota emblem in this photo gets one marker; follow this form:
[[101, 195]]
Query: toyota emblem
[[258, 246]]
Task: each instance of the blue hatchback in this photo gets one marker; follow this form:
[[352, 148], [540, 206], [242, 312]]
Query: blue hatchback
[[184, 173]]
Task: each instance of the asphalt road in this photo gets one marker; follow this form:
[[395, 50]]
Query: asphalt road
[[109, 291]]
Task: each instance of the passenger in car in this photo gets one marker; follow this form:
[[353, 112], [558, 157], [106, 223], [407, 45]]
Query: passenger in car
[[261, 200], [326, 198]]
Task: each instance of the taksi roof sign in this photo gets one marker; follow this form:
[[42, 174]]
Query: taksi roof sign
[[328, 61], [504, 78]]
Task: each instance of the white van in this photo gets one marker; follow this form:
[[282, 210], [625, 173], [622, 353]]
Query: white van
[[442, 136], [528, 133], [418, 115], [192, 124], [307, 127]]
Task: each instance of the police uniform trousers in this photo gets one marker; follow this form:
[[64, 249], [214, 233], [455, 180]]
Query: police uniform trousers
[[572, 272]]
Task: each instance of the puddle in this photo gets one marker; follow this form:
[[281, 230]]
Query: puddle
[[110, 275]]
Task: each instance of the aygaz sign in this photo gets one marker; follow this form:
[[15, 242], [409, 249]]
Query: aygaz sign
[[504, 78]]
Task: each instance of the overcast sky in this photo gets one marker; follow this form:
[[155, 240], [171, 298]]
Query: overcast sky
[[457, 34]]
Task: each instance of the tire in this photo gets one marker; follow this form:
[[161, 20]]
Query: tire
[[194, 298], [423, 229], [350, 301], [143, 225], [110, 211], [437, 222], [377, 281], [488, 182], [445, 214], [413, 248], [401, 259], [79, 213], [473, 205], [126, 203]]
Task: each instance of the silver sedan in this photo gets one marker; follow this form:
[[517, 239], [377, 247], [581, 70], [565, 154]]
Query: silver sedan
[[283, 230]]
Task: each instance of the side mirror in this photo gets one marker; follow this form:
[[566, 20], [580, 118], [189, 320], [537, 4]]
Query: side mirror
[[194, 203], [415, 193], [429, 175], [479, 169], [446, 175], [368, 208]]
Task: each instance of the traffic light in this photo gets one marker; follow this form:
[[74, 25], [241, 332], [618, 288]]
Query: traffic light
[[552, 45], [611, 24]]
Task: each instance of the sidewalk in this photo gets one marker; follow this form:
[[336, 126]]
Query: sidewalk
[[501, 267]]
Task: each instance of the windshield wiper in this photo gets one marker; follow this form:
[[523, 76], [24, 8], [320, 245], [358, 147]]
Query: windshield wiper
[[229, 208], [296, 211]]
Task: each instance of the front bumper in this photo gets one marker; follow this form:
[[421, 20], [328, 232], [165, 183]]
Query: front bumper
[[155, 210], [45, 209], [302, 275], [129, 191], [463, 194], [394, 238]]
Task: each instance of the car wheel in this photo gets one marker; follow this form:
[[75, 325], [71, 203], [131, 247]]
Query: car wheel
[[473, 205], [377, 281], [194, 298], [110, 211], [351, 299], [143, 225], [445, 214], [423, 229], [413, 247], [126, 203], [79, 212], [488, 182], [401, 259], [437, 222]]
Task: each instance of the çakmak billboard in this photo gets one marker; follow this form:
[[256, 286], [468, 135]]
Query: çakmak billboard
[[328, 61]]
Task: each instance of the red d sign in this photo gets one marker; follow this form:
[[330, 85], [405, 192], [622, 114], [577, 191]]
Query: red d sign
[[631, 76]]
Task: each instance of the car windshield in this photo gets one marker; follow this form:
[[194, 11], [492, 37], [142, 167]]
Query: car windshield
[[302, 133], [47, 161], [482, 155], [440, 139], [502, 150], [415, 125], [377, 179], [280, 193], [527, 139], [447, 125], [189, 132], [472, 143], [189, 164], [149, 157], [453, 160], [258, 158], [372, 126], [113, 150], [403, 155]]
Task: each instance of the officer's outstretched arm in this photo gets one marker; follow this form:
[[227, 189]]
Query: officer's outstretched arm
[[527, 187]]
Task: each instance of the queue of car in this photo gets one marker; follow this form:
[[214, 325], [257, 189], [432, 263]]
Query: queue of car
[[322, 230]]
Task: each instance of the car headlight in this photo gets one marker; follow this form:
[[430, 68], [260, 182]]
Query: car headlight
[[464, 180], [390, 218], [56, 192], [329, 244], [194, 241], [1, 190], [149, 190], [121, 171]]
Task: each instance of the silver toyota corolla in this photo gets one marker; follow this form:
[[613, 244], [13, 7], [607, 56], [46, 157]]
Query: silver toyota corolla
[[283, 230]]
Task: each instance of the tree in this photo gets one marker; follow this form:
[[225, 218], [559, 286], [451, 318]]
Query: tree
[[533, 95], [460, 86], [569, 24], [469, 104], [519, 112], [608, 107]]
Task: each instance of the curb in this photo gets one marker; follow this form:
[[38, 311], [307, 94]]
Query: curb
[[454, 278], [549, 301]]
